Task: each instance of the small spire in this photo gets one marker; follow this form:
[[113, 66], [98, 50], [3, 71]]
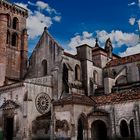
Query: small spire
[[45, 28], [96, 44], [96, 40]]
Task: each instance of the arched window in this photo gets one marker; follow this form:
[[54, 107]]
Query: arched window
[[77, 72], [65, 78], [124, 131], [14, 39], [8, 20], [95, 77], [8, 37], [131, 126], [15, 23], [44, 65]]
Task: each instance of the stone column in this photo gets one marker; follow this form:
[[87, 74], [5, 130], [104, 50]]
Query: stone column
[[3, 39], [112, 120], [24, 54], [137, 121], [89, 133]]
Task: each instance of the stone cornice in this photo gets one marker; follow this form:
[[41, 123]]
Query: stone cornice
[[14, 8], [11, 86]]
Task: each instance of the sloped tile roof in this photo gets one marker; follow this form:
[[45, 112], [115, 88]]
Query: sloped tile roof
[[115, 98], [75, 99], [124, 60]]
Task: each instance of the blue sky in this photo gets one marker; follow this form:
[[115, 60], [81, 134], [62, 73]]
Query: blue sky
[[75, 22]]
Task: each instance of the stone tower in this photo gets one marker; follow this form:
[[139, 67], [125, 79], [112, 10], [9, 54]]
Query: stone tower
[[13, 42]]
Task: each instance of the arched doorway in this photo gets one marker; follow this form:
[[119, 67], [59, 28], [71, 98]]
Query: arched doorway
[[124, 131], [10, 129], [82, 127], [99, 130]]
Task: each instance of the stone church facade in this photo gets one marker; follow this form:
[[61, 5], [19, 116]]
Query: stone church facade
[[93, 95]]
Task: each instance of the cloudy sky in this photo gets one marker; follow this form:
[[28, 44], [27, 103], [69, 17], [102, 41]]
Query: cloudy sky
[[76, 22]]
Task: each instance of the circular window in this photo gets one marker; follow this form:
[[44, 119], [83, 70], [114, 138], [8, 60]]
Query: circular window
[[43, 103]]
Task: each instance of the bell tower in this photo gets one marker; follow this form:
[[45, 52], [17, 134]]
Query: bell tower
[[13, 42]]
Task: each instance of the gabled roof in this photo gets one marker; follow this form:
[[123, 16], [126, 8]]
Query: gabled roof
[[44, 35]]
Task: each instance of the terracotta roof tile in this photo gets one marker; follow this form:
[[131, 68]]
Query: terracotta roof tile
[[124, 60], [113, 98]]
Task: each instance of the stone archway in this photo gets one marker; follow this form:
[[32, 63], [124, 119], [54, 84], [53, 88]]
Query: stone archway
[[10, 129], [99, 130], [82, 127]]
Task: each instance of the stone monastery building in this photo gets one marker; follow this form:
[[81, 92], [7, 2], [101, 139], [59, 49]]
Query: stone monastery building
[[93, 95]]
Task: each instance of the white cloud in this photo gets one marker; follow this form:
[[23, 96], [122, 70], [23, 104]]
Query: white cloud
[[131, 4], [57, 18], [131, 50], [87, 34], [84, 38], [32, 4], [117, 37], [139, 3], [42, 5], [132, 21], [38, 18], [139, 23], [22, 5], [36, 24]]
